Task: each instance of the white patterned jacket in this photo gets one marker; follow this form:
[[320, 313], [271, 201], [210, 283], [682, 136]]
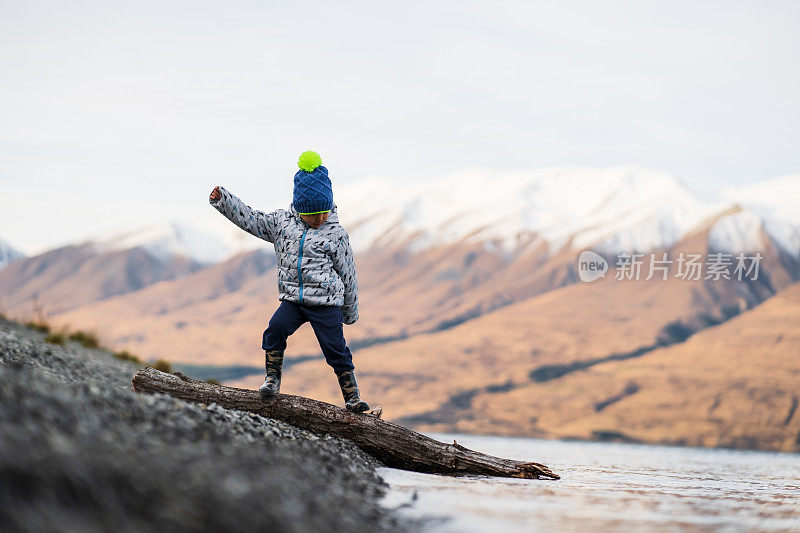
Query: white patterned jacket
[[315, 266]]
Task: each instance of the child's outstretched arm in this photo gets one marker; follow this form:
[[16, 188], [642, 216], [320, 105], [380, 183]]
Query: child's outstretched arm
[[258, 223], [344, 264]]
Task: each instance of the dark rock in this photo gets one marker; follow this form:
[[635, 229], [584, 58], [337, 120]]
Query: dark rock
[[79, 451]]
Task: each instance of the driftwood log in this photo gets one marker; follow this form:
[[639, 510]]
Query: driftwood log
[[393, 445]]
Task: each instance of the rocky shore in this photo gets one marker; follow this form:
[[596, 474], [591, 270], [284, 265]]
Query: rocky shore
[[79, 451]]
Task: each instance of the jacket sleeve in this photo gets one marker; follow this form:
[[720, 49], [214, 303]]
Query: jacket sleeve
[[345, 266], [262, 225]]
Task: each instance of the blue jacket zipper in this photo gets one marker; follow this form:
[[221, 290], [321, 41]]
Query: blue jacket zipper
[[300, 262]]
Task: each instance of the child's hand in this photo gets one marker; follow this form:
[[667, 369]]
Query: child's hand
[[215, 194]]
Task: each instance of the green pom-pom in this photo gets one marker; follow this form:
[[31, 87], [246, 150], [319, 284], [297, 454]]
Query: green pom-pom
[[309, 161]]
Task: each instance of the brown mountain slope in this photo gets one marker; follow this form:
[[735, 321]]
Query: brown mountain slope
[[417, 293], [71, 276], [199, 318], [735, 385], [469, 338], [428, 376], [216, 316], [428, 372]]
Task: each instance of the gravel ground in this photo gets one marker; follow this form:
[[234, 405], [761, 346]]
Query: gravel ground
[[79, 451]]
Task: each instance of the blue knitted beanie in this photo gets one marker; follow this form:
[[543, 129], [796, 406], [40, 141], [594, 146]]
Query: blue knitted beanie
[[312, 186]]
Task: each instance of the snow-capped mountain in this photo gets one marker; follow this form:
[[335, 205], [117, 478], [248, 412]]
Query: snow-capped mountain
[[779, 197], [626, 208], [610, 210], [171, 239], [9, 254], [775, 204], [107, 266]]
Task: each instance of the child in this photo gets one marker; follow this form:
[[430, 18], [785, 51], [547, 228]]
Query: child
[[316, 273]]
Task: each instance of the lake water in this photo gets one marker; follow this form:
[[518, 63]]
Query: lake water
[[626, 487]]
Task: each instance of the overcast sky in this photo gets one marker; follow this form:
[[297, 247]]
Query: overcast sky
[[118, 113]]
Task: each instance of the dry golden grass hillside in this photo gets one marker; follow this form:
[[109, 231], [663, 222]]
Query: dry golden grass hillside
[[735, 384]]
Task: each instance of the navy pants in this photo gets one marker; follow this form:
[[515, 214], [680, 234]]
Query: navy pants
[[326, 320]]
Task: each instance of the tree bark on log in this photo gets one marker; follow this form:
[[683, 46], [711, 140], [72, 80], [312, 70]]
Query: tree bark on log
[[393, 445]]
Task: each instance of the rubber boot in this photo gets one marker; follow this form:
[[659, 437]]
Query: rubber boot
[[272, 383], [352, 401]]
